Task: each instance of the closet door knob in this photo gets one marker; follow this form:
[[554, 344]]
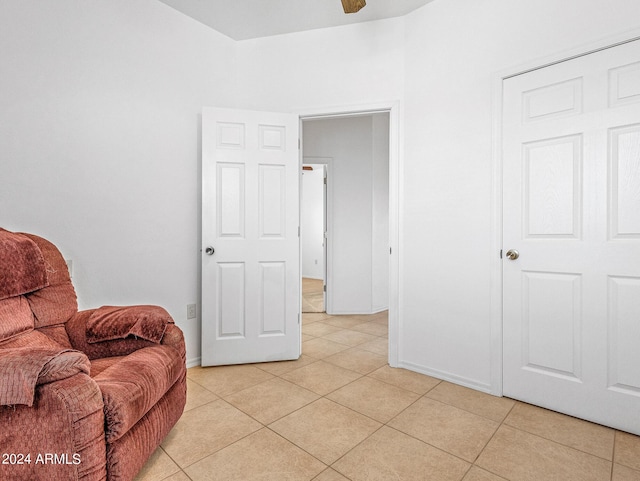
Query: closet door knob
[[209, 251], [512, 254]]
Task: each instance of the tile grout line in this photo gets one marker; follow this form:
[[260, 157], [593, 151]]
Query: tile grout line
[[615, 431], [503, 423], [300, 448], [354, 447], [490, 439], [613, 455], [174, 462], [464, 409], [382, 425]]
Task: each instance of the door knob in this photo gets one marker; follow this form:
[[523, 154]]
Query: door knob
[[512, 254], [209, 251]]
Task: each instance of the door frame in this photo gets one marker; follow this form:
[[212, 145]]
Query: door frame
[[498, 79], [395, 204]]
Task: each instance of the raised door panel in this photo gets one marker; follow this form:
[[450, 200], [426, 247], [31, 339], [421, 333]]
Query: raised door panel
[[552, 186], [556, 100], [624, 85], [273, 298], [231, 307], [230, 135], [625, 181], [273, 201], [624, 334], [551, 320], [272, 137], [231, 200]]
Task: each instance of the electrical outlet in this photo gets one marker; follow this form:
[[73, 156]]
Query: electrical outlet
[[191, 311]]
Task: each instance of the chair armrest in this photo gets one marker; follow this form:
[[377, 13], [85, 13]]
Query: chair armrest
[[24, 368], [60, 437], [174, 338], [77, 331]]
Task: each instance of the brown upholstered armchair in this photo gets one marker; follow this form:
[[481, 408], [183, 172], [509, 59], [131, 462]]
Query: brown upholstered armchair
[[83, 395]]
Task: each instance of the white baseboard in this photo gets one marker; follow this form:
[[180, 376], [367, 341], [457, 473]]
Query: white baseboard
[[445, 376], [193, 362], [358, 313]]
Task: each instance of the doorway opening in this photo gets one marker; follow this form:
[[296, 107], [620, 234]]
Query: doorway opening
[[393, 234], [345, 241]]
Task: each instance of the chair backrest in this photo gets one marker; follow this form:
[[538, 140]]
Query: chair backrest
[[35, 286], [56, 303]]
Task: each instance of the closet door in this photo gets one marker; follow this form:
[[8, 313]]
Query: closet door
[[571, 237]]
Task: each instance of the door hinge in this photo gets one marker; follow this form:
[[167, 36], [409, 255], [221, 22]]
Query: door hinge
[[389, 250], [324, 288]]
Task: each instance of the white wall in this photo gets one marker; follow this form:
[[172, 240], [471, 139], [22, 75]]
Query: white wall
[[358, 185], [312, 222], [100, 140], [100, 145], [334, 67], [453, 49]]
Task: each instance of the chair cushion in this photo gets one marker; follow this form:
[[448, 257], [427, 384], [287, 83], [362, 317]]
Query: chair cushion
[[29, 339], [54, 304], [133, 384], [57, 334], [15, 317], [102, 364], [22, 266]]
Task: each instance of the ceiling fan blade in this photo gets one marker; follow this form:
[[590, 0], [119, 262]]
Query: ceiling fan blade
[[352, 6]]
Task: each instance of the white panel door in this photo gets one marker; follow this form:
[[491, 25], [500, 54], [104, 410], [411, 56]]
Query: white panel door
[[250, 240], [571, 196]]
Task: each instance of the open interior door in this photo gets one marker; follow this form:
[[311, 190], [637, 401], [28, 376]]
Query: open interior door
[[250, 237]]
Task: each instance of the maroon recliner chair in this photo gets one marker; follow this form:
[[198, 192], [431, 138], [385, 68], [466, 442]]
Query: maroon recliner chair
[[83, 395]]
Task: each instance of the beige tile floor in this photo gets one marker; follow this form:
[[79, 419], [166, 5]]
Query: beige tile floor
[[341, 413]]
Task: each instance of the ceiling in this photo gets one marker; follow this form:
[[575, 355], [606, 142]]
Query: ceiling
[[245, 19]]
